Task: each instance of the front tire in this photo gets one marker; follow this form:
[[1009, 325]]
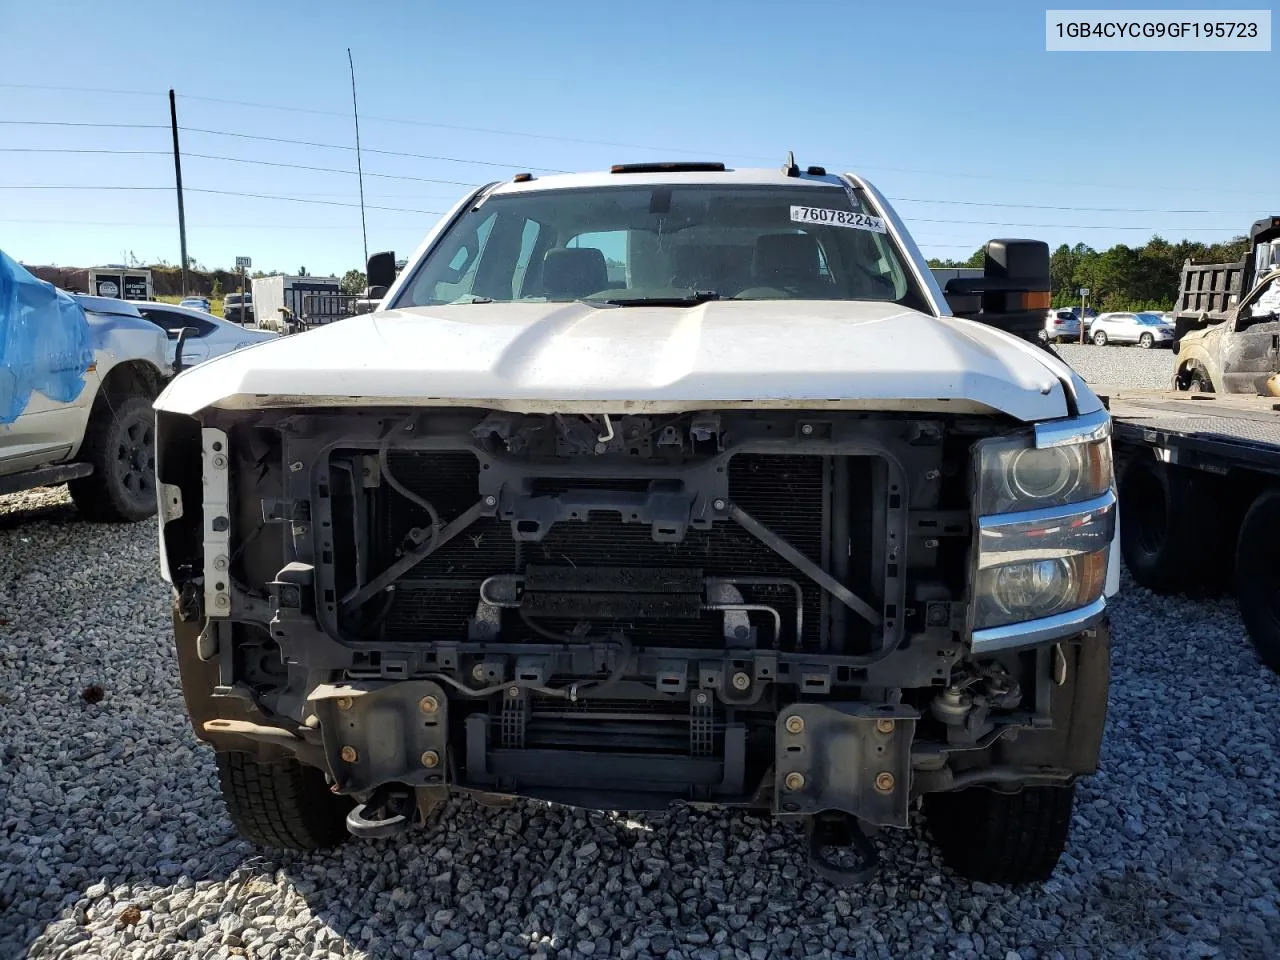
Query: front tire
[[1005, 838], [120, 445], [1257, 579], [285, 804], [1100, 338], [1145, 341]]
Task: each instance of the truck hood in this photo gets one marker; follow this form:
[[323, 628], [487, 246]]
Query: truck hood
[[540, 357]]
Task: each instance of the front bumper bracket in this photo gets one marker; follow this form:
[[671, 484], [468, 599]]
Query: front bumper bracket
[[851, 758]]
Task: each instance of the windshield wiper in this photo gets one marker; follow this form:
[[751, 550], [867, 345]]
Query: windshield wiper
[[690, 300]]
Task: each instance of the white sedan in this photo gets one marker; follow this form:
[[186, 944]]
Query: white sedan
[[212, 336], [1145, 329]]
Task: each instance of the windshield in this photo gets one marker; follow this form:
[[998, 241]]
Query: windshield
[[1150, 319], [669, 245]]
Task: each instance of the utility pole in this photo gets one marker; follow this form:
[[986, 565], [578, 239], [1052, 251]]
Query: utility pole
[[364, 233], [1084, 309], [177, 172]]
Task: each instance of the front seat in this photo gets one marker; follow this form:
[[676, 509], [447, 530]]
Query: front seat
[[788, 261], [572, 272]]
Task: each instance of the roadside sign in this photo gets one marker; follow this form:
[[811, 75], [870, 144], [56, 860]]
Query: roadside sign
[[1084, 291], [244, 263]]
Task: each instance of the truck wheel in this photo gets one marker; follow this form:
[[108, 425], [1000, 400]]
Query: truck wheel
[[1173, 531], [1005, 838], [282, 804], [1257, 580], [1145, 341], [1200, 382], [1100, 338], [120, 444]]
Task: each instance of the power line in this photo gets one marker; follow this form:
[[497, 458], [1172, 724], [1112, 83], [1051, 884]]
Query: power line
[[157, 153], [266, 139], [591, 142], [39, 86], [327, 203], [78, 123], [1067, 226], [224, 193], [264, 163], [1039, 206], [302, 166], [199, 226], [387, 153], [462, 183], [335, 203]]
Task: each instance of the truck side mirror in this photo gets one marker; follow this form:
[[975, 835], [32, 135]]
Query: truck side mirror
[[381, 270], [1013, 291]]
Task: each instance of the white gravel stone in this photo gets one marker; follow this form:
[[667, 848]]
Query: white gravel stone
[[1175, 849]]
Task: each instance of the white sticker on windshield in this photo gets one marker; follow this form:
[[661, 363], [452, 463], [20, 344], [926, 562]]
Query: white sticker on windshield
[[837, 218]]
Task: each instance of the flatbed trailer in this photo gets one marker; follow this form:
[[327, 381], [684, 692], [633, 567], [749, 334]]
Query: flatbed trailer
[[1199, 487]]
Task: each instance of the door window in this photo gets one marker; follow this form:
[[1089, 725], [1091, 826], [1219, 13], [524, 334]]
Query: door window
[[172, 321], [1263, 308]]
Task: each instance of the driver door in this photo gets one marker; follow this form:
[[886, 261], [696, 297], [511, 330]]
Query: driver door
[[1250, 350]]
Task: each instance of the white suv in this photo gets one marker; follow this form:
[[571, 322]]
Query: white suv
[[1147, 330]]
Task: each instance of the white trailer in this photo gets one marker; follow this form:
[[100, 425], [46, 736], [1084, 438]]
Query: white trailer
[[298, 295], [121, 283]]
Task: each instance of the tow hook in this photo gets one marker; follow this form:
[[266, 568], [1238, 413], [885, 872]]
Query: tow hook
[[388, 813], [841, 834]]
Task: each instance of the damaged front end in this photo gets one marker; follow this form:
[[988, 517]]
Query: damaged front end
[[814, 613]]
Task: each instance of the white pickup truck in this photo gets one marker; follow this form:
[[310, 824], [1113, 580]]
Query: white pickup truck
[[669, 483], [101, 440]]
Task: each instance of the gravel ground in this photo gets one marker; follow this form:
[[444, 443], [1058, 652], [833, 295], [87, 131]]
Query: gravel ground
[[114, 843], [1120, 366]]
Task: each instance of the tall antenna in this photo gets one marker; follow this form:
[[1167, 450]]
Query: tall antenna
[[364, 233]]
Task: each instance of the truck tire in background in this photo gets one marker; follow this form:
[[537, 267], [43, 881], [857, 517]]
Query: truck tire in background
[[1005, 838], [120, 445], [1175, 534], [1257, 575], [284, 804]]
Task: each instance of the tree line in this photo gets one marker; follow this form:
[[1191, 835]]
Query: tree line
[[1123, 277]]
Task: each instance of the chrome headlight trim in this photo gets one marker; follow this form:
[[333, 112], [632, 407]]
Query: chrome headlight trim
[[1031, 633], [1082, 429], [1075, 528]]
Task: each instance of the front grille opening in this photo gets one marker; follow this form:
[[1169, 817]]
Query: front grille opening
[[792, 495]]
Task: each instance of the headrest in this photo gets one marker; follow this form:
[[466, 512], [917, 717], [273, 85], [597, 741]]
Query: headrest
[[573, 272], [785, 258]]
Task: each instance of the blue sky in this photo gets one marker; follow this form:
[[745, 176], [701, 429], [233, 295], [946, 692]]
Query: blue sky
[[933, 102]]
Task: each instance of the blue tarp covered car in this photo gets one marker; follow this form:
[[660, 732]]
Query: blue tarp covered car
[[45, 342]]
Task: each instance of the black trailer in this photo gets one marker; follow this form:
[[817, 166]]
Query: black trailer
[[1199, 478]]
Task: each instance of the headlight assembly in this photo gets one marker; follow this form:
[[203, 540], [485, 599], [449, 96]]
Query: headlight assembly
[[1035, 589], [1013, 475], [1045, 512]]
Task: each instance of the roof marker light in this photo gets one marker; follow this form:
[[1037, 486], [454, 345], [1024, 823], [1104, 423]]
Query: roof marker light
[[670, 167]]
